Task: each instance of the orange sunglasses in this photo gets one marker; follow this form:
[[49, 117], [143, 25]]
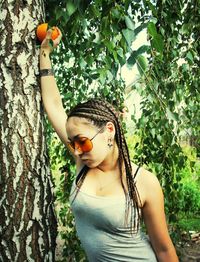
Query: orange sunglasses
[[82, 144]]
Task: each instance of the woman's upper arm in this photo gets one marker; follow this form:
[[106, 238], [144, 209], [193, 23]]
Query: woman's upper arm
[[154, 216], [58, 117]]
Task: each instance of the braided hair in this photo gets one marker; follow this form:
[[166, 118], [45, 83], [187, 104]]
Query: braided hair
[[99, 112]]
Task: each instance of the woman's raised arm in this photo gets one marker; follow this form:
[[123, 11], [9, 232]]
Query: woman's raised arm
[[50, 94]]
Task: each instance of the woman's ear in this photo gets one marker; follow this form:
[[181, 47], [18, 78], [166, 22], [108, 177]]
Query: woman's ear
[[110, 127]]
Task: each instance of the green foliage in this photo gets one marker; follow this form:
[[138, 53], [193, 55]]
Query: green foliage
[[132, 140], [189, 188], [190, 198], [186, 224], [97, 41], [170, 95]]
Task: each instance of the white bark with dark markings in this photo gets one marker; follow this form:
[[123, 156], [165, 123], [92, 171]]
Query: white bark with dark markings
[[27, 220]]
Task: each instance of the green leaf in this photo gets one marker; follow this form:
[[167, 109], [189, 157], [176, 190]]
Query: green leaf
[[159, 138], [185, 67], [153, 8], [82, 63], [132, 59], [102, 75], [189, 56], [71, 8], [142, 49], [59, 13], [171, 116], [94, 11], [116, 13], [115, 56], [151, 98], [97, 38], [129, 35], [185, 28], [109, 76], [129, 23], [110, 45], [151, 28], [120, 52], [141, 64], [158, 43], [140, 28], [153, 132], [89, 60], [105, 27]]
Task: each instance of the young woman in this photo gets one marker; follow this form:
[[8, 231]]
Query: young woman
[[110, 195]]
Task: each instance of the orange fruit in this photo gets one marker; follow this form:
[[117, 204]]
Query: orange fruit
[[55, 33], [42, 31]]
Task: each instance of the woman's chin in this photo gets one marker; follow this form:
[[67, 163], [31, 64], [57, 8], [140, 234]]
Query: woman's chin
[[90, 163]]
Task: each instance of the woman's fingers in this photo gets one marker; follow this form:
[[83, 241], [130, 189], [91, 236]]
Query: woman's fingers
[[58, 39], [48, 35], [60, 33], [46, 42]]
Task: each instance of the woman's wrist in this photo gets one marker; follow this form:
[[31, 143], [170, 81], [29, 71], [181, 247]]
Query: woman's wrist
[[46, 72], [45, 61]]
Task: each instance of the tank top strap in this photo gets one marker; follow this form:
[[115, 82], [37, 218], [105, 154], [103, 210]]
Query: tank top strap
[[83, 171], [136, 173]]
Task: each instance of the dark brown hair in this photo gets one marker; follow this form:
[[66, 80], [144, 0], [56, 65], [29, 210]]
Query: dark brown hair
[[99, 112]]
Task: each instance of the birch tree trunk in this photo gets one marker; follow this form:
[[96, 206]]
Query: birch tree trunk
[[27, 220]]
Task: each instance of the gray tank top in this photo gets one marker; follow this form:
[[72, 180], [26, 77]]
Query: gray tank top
[[103, 232]]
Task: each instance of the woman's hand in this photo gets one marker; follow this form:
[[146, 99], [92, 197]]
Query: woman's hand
[[48, 44]]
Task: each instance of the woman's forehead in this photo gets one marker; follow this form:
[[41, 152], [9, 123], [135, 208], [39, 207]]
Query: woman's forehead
[[77, 121], [76, 125]]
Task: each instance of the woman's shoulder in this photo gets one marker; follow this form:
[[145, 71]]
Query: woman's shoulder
[[143, 175], [149, 178], [147, 184]]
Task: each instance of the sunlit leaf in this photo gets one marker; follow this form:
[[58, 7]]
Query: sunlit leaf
[[129, 23], [129, 35], [141, 64], [151, 28]]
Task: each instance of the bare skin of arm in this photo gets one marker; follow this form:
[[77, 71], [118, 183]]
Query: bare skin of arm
[[51, 98], [154, 217], [50, 94]]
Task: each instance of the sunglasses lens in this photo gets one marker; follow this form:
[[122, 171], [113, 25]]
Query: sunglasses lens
[[82, 144], [85, 144]]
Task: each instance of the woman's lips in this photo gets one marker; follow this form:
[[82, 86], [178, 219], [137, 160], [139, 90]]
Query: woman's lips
[[86, 160]]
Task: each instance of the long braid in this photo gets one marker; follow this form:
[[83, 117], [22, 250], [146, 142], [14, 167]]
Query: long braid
[[79, 181], [132, 189], [100, 112]]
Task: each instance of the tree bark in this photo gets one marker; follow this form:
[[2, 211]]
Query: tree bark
[[27, 220]]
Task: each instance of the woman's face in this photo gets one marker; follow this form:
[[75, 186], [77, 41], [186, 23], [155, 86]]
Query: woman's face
[[81, 127]]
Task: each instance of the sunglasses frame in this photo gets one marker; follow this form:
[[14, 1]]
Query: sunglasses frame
[[72, 148]]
